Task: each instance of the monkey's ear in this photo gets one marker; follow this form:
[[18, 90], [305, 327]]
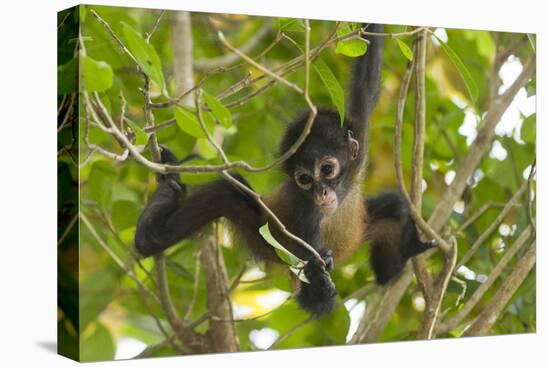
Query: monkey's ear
[[353, 146]]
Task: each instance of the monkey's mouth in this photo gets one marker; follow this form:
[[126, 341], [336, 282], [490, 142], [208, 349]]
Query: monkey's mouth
[[329, 206]]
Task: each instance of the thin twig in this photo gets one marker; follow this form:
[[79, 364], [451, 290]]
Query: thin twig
[[151, 312], [253, 318], [113, 256], [182, 96], [60, 25], [149, 34], [471, 219], [258, 66], [493, 226], [286, 335], [228, 59], [117, 39], [237, 279], [67, 230]]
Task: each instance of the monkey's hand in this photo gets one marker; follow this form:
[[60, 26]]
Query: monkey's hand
[[167, 157], [317, 296]]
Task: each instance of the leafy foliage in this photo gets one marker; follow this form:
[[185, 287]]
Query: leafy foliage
[[113, 193]]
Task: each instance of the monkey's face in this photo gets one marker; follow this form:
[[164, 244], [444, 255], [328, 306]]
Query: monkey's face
[[321, 168], [321, 181]]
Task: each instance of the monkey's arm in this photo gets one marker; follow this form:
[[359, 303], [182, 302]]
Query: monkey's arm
[[171, 215], [393, 235]]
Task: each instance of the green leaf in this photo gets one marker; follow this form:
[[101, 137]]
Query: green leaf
[[285, 255], [96, 76], [145, 54], [67, 77], [291, 25], [96, 292], [124, 214], [531, 87], [351, 47], [67, 339], [221, 113], [97, 344], [405, 49], [528, 129], [206, 149], [141, 135], [127, 235], [462, 70], [187, 121], [484, 43], [299, 272], [100, 183], [333, 86], [82, 13], [194, 179]]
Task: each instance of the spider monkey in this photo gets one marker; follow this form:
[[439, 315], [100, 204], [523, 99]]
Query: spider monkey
[[321, 200]]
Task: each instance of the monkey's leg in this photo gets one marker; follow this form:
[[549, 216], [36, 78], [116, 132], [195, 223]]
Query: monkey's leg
[[393, 235]]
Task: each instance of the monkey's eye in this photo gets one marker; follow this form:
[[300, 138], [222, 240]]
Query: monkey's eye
[[327, 169], [304, 179]]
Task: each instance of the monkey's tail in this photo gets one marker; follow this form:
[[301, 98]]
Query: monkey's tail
[[365, 82]]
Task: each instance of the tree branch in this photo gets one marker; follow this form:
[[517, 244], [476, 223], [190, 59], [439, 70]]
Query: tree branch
[[187, 336], [431, 313], [221, 335], [417, 164], [391, 298], [452, 322], [490, 314]]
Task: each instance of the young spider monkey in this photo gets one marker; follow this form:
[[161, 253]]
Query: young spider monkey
[[321, 201]]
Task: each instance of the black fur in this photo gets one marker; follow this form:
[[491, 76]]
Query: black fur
[[390, 252], [365, 85]]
